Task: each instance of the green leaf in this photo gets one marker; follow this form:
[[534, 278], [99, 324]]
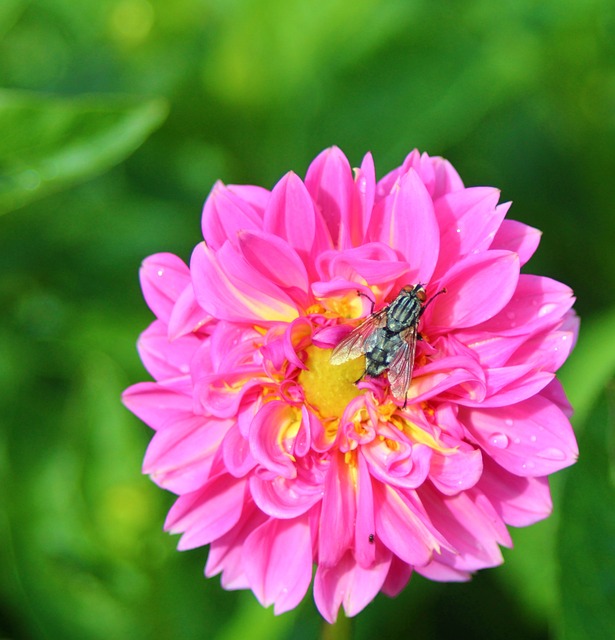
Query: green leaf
[[587, 532], [10, 10], [49, 143]]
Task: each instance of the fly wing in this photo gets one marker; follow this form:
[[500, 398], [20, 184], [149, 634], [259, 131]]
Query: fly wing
[[351, 346], [400, 370]]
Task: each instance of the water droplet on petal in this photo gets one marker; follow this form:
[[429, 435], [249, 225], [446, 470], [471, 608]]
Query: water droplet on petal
[[533, 438], [458, 230], [510, 315], [528, 465], [552, 453], [160, 273], [508, 422], [499, 440]]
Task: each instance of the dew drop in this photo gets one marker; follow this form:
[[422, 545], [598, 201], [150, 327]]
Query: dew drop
[[499, 440], [527, 465], [533, 438], [508, 422], [552, 453], [458, 230], [160, 273], [510, 315], [517, 440]]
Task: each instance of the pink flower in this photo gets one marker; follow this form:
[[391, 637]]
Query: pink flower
[[283, 461]]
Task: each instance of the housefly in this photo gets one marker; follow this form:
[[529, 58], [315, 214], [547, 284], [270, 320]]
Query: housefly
[[388, 338]]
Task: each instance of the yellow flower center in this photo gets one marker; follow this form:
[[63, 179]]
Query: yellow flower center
[[329, 388]]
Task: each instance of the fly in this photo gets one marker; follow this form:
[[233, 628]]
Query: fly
[[388, 338]]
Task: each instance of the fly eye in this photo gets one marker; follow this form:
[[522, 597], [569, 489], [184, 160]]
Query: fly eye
[[420, 294]]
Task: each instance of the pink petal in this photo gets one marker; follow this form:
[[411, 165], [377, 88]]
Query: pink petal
[[338, 513], [471, 526], [208, 513], [519, 501], [348, 584], [180, 455], [401, 528], [397, 578], [478, 287], [278, 562], [276, 260], [330, 183], [187, 316], [365, 550], [226, 553], [441, 572], [469, 220], [518, 237], [162, 358], [269, 443], [163, 277], [226, 214], [531, 438], [455, 472], [291, 215], [365, 192], [405, 220], [157, 404], [280, 497], [236, 453], [446, 178], [538, 303], [227, 297]]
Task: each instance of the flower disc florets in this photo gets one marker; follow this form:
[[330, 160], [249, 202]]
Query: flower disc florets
[[283, 461]]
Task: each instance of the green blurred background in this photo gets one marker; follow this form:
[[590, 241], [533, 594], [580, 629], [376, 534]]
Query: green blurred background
[[116, 117]]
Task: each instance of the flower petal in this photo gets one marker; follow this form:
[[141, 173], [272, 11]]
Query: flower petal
[[530, 438], [163, 277], [405, 220], [208, 513], [278, 562], [538, 303], [338, 513], [519, 501], [156, 404], [225, 214], [330, 183], [240, 297], [518, 237], [478, 287], [180, 455], [349, 584]]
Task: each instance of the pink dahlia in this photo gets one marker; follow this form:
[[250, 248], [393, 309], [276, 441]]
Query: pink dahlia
[[284, 461]]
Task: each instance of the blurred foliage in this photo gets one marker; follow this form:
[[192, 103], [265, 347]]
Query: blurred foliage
[[516, 94]]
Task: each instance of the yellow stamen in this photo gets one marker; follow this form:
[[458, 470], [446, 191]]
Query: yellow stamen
[[329, 388]]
